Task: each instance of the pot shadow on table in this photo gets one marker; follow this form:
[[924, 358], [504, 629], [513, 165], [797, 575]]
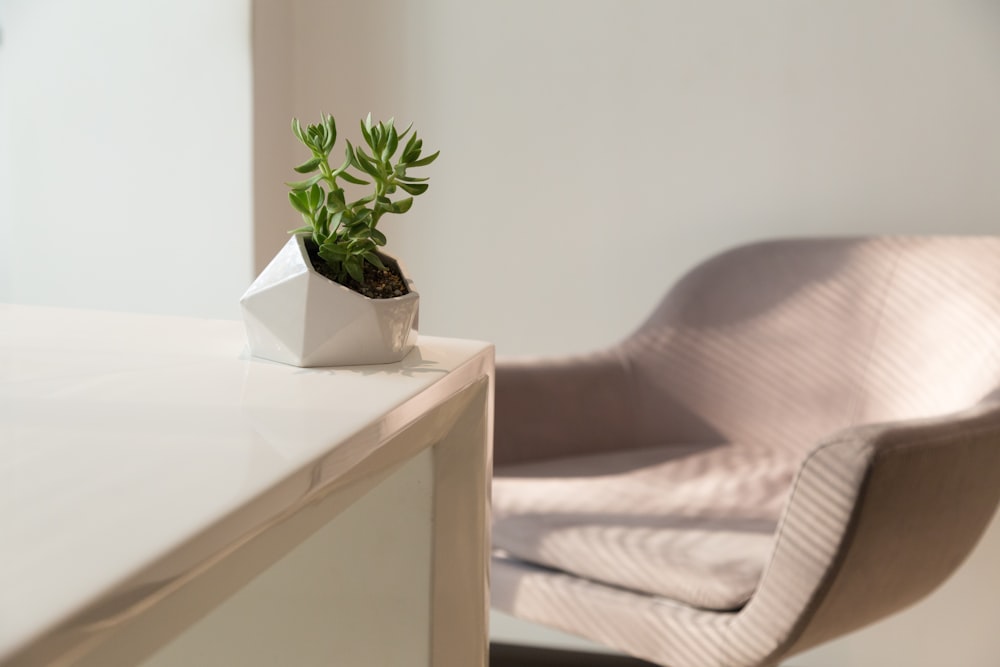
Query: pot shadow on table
[[412, 364]]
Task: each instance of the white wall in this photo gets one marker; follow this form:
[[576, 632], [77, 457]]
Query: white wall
[[125, 150], [593, 151]]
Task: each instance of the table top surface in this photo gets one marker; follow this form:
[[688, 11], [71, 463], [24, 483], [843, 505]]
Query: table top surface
[[124, 437]]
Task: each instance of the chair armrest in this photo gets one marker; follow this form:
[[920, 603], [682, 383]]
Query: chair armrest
[[562, 407], [879, 516]]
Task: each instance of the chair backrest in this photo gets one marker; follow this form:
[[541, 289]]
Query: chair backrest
[[782, 342]]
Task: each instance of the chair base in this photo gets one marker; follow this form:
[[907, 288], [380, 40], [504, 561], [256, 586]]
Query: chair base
[[511, 655]]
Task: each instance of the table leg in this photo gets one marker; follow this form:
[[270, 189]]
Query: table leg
[[398, 578]]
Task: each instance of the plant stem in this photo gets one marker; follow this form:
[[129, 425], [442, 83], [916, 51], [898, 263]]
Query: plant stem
[[324, 167]]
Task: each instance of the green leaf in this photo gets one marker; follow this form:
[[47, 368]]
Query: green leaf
[[334, 263], [301, 230], [352, 154], [366, 133], [319, 237], [331, 125], [347, 162], [315, 196], [309, 166], [318, 137], [411, 179], [353, 266], [402, 206], [374, 259], [364, 200], [426, 161], [297, 130], [365, 163], [306, 184], [335, 200], [352, 179], [298, 201], [321, 222], [332, 251], [413, 149], [313, 141], [391, 144], [379, 238], [360, 246], [357, 228], [335, 220], [414, 188], [359, 232]]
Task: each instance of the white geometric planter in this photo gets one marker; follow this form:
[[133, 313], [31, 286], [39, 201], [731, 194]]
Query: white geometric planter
[[299, 317]]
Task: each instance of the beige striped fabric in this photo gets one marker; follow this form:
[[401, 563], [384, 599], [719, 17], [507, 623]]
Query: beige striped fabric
[[803, 438], [705, 543]]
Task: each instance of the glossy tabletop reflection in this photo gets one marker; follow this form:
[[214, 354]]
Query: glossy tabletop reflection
[[133, 448]]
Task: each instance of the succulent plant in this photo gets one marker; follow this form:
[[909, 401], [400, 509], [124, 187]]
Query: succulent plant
[[346, 232]]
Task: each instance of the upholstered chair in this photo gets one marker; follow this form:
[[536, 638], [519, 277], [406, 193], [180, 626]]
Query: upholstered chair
[[803, 438]]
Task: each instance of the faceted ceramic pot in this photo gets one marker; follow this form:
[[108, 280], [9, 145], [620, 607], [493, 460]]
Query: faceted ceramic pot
[[299, 317]]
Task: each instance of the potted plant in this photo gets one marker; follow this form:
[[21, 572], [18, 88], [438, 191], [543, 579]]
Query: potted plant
[[331, 296]]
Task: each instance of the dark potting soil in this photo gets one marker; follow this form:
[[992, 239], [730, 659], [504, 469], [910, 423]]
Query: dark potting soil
[[379, 283]]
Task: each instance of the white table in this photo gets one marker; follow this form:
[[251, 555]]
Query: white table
[[150, 470]]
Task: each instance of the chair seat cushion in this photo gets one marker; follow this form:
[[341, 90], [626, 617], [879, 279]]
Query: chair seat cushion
[[695, 524]]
